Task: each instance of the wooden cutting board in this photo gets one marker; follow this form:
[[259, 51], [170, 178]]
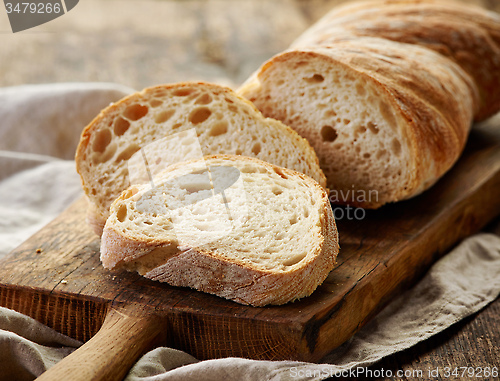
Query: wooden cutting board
[[56, 278]]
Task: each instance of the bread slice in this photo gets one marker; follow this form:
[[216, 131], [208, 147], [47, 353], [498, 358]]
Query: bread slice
[[224, 124], [232, 226]]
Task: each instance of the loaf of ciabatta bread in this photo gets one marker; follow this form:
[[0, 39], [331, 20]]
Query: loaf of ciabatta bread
[[232, 226], [385, 91], [223, 123]]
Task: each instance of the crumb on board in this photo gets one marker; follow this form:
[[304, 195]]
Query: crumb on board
[[39, 250]]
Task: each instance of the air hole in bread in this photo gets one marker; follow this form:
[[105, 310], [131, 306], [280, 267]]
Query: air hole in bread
[[267, 110], [163, 116], [238, 152], [372, 127], [155, 102], [381, 153], [199, 115], [277, 191], [135, 111], [293, 219], [271, 249], [148, 223], [328, 134], [359, 130], [184, 92], [360, 90], [346, 121], [330, 113], [204, 99], [280, 173], [176, 125], [130, 192], [101, 141], [160, 93], [300, 63], [195, 186], [256, 148], [316, 78], [121, 126], [128, 152], [293, 260], [387, 114], [396, 146], [121, 215], [218, 128], [103, 157], [233, 108]]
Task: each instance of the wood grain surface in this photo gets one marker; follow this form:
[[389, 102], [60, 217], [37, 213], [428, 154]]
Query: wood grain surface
[[127, 333], [56, 276]]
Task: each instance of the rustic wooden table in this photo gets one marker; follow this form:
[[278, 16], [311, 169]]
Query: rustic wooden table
[[143, 43]]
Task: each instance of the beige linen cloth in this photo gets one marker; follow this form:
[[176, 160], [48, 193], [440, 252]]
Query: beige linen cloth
[[39, 129]]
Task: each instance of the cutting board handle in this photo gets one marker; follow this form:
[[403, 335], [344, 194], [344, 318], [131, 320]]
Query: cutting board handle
[[126, 334]]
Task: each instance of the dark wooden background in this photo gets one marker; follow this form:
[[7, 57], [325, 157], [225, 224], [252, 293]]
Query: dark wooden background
[[145, 42]]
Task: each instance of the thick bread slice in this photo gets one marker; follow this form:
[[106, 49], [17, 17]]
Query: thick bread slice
[[386, 119], [279, 243], [225, 124]]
